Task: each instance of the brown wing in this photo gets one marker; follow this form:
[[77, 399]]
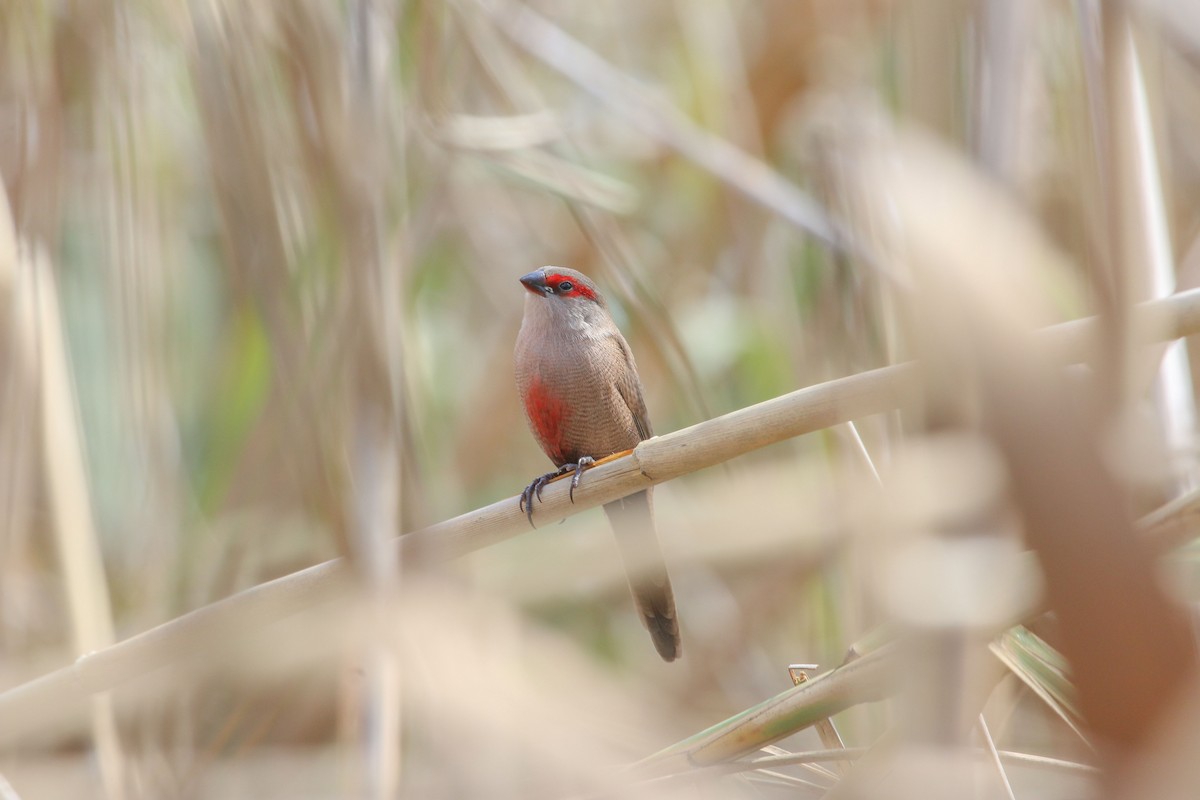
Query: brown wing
[[629, 386]]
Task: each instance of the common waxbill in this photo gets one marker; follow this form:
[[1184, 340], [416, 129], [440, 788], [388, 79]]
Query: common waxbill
[[583, 399]]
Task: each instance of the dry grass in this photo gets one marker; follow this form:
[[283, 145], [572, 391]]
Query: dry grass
[[257, 303]]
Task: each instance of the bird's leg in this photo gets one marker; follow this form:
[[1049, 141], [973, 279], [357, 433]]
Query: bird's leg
[[583, 463]]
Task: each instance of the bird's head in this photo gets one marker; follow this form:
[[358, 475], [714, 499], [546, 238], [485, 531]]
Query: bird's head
[[565, 297]]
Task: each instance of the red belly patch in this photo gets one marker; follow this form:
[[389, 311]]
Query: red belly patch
[[547, 413]]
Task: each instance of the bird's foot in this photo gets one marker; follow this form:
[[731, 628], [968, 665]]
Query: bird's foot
[[534, 489]]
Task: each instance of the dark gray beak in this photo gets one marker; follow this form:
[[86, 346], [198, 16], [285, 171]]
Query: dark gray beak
[[536, 282]]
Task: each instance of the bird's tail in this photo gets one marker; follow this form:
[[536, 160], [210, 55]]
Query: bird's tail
[[632, 520]]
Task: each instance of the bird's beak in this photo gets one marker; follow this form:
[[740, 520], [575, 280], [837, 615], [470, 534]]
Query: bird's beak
[[536, 282]]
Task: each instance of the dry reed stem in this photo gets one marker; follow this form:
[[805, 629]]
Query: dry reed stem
[[826, 756], [858, 681], [1147, 261], [37, 325]]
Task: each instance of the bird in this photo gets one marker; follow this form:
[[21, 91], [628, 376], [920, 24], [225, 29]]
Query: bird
[[582, 397]]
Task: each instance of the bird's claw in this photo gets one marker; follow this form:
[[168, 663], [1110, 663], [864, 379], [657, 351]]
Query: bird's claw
[[583, 463], [534, 489], [526, 503]]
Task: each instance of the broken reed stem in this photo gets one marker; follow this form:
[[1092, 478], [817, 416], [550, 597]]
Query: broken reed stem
[[38, 704]]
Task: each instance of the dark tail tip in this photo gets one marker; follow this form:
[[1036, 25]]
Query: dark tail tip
[[664, 632]]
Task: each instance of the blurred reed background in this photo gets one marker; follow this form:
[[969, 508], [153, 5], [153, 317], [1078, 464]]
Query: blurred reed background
[[258, 298]]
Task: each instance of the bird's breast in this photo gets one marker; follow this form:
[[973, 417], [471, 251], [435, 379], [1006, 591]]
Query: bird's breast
[[547, 413], [568, 386]]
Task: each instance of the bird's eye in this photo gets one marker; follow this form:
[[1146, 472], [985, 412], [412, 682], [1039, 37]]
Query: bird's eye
[[566, 286]]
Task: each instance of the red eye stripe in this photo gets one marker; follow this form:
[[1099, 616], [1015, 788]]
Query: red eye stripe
[[577, 287]]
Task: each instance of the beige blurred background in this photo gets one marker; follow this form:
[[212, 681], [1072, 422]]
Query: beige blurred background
[[260, 267]]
